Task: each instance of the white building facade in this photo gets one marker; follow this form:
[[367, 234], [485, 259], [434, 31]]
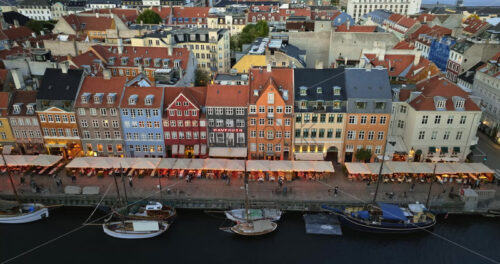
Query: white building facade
[[357, 8]]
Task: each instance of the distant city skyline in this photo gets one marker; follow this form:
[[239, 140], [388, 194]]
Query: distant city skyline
[[466, 2]]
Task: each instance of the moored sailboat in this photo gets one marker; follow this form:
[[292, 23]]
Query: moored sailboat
[[135, 229], [240, 215]]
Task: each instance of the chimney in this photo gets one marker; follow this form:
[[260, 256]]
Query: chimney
[[16, 23], [18, 78], [170, 51], [425, 19], [416, 59], [348, 24], [120, 46], [106, 74], [268, 68], [64, 67], [318, 65]]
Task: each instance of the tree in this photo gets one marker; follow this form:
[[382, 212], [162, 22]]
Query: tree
[[149, 17], [363, 154], [37, 26], [201, 77], [249, 33]]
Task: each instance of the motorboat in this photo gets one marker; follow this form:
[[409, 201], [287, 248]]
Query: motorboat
[[13, 213], [240, 215], [150, 211], [254, 228], [386, 218], [135, 229]]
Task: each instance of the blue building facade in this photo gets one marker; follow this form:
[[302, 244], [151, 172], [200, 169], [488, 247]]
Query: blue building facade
[[141, 117], [440, 50]]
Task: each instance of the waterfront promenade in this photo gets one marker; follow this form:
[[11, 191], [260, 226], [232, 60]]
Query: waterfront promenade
[[297, 191]]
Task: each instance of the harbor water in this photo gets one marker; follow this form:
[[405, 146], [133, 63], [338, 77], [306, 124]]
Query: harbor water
[[195, 238]]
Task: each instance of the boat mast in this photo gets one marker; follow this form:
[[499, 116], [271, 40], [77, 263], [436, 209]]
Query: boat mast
[[124, 189], [430, 187], [379, 178], [159, 186], [246, 192], [11, 181], [117, 189]]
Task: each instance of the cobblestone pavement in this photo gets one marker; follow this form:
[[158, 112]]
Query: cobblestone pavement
[[297, 190]]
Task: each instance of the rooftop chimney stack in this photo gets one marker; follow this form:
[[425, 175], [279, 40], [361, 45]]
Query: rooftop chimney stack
[[64, 67]]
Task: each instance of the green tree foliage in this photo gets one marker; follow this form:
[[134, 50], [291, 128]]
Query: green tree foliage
[[37, 26], [149, 17], [363, 154], [249, 33], [201, 77]]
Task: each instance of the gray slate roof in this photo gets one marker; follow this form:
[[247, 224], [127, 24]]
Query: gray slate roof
[[59, 86], [314, 78], [367, 84]]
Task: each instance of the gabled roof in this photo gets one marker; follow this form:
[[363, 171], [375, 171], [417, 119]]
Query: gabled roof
[[281, 77], [493, 60], [196, 95], [94, 85], [403, 45], [126, 15], [319, 84], [440, 87], [425, 18], [399, 65], [92, 23], [227, 95], [57, 85], [367, 84], [403, 21], [24, 98], [473, 25], [141, 93], [14, 33]]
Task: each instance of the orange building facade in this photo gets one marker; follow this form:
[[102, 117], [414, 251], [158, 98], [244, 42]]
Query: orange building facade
[[270, 114]]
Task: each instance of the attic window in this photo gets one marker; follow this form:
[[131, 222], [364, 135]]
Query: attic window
[[157, 62], [85, 98], [17, 109], [147, 61], [336, 90], [98, 98], [132, 99], [149, 99], [111, 98], [460, 104], [303, 91], [111, 60], [441, 104], [124, 61], [30, 108], [83, 25], [319, 90], [255, 92], [165, 63], [137, 61]]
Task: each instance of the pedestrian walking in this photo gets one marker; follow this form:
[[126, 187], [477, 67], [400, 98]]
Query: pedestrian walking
[[59, 181], [73, 179], [280, 182], [336, 191], [412, 187], [22, 180], [404, 195], [130, 182]]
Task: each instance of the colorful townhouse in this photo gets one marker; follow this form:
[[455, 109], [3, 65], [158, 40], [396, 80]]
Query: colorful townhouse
[[97, 108], [184, 122], [24, 122], [368, 114], [7, 140], [56, 112], [140, 113], [226, 109], [270, 113], [320, 109]]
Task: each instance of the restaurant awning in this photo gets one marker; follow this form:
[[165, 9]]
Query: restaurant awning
[[18, 160], [181, 164], [196, 164], [46, 160], [444, 168], [480, 168], [280, 165], [146, 163], [166, 163], [257, 165], [303, 165], [421, 167], [357, 168], [309, 156], [444, 149], [375, 168], [228, 152], [215, 164], [432, 149], [323, 166], [399, 167], [235, 165], [80, 162]]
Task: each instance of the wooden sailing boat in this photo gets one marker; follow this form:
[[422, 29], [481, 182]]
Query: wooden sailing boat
[[384, 217], [17, 212], [251, 227], [133, 228]]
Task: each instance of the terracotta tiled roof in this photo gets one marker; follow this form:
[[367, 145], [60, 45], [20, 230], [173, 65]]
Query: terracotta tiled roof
[[403, 21], [14, 33], [196, 95], [404, 94], [126, 15], [496, 73], [92, 23], [24, 97], [259, 78], [13, 51], [473, 25], [141, 93], [343, 28], [164, 12], [430, 17], [440, 86], [267, 15], [424, 29], [93, 85], [4, 100], [402, 65], [190, 12], [227, 95], [298, 12], [403, 45], [324, 14]]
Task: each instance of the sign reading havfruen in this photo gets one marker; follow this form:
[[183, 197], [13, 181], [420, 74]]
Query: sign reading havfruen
[[225, 130]]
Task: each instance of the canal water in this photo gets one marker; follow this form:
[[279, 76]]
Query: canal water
[[195, 238]]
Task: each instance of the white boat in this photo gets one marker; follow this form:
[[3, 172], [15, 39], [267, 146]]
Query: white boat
[[24, 213], [135, 229], [240, 215], [254, 228]]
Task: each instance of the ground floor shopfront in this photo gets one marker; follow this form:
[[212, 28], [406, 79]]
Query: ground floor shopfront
[[186, 151], [67, 148]]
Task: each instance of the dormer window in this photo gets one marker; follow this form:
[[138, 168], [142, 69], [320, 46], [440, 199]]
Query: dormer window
[[132, 99], [336, 104], [460, 104], [149, 99], [85, 98], [319, 90], [147, 61], [336, 90], [440, 103], [303, 91], [165, 63], [98, 98], [124, 61], [30, 108], [137, 61], [111, 60], [255, 92], [17, 109], [111, 98]]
